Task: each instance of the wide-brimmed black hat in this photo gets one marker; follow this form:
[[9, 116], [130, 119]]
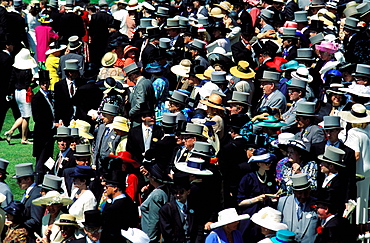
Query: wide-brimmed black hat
[[158, 174]]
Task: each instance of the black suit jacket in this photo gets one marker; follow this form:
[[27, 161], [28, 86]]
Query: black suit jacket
[[135, 141], [98, 27], [3, 20], [149, 54], [163, 152], [292, 53], [16, 29], [32, 213], [68, 162], [337, 229], [121, 214], [349, 172], [240, 53], [43, 116], [246, 21], [289, 10], [6, 62], [70, 24], [171, 224]]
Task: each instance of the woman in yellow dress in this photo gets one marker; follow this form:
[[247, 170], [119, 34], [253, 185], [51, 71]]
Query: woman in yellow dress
[[52, 62]]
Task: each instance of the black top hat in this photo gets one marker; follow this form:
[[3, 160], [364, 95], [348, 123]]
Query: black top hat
[[153, 32], [15, 208], [145, 109], [191, 31], [44, 76], [238, 120], [316, 25], [93, 218]]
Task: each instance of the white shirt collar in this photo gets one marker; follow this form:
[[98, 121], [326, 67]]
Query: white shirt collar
[[328, 179], [28, 190], [327, 219]]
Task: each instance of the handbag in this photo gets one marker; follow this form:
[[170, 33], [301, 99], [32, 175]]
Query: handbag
[[29, 95]]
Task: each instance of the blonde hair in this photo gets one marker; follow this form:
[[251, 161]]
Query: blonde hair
[[360, 125]]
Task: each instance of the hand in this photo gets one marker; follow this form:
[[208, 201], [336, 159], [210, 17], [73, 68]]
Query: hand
[[296, 168], [144, 171], [275, 199], [269, 33], [56, 124], [8, 223], [262, 116], [145, 189], [261, 198], [207, 226], [93, 167]]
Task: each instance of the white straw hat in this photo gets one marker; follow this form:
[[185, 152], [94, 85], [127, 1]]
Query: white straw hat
[[23, 60], [269, 218], [228, 216]]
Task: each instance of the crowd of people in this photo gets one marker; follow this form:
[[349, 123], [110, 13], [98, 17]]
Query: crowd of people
[[187, 121]]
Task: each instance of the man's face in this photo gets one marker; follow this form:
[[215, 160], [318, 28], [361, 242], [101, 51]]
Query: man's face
[[182, 195], [302, 196], [303, 121], [294, 94], [187, 39], [24, 182], [324, 167], [194, 53], [54, 208], [5, 3], [267, 87], [234, 109], [172, 33], [286, 43], [189, 141], [63, 144], [72, 74], [332, 134], [44, 86], [109, 190], [173, 107], [148, 119], [67, 230], [10, 47], [322, 211], [73, 144], [196, 4], [361, 80], [107, 119], [94, 233], [83, 160], [217, 33]]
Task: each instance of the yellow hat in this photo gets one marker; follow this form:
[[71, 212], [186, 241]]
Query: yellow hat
[[121, 124]]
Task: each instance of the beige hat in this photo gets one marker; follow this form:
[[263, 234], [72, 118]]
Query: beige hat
[[109, 59], [121, 124], [216, 13], [83, 128], [224, 6], [214, 101], [67, 219], [228, 216], [52, 197], [182, 69], [269, 218], [23, 60], [357, 114]]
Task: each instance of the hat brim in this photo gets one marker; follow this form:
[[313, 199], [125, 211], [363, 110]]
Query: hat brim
[[305, 58], [121, 128], [234, 71], [74, 48], [47, 201], [180, 70], [126, 160], [303, 187], [335, 92], [284, 147], [238, 102], [85, 134], [270, 124], [351, 28], [321, 157], [82, 155], [184, 168], [309, 79], [19, 176], [348, 117], [207, 103], [25, 64], [62, 136], [71, 224], [225, 222], [269, 224], [60, 190], [50, 51], [304, 114], [202, 154], [176, 101]]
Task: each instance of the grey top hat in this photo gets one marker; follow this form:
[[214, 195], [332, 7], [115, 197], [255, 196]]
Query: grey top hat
[[316, 39], [289, 33], [333, 155], [193, 129], [131, 68], [203, 149], [3, 165], [82, 150], [183, 22], [178, 97], [218, 77], [239, 98], [24, 169], [17, 3], [300, 182], [169, 119], [332, 122], [267, 14], [164, 43], [145, 23], [197, 44], [362, 70], [172, 24], [217, 92], [72, 64], [304, 54], [74, 42], [300, 16], [305, 109], [63, 132], [162, 11], [69, 4], [52, 183], [297, 84], [269, 76], [203, 21], [74, 132], [53, 3], [351, 23], [363, 8], [350, 11], [110, 109], [317, 4]]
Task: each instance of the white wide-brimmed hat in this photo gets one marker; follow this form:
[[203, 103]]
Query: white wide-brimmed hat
[[23, 60], [283, 138], [228, 216], [302, 73], [357, 114], [194, 166], [135, 235], [182, 69], [54, 48], [52, 197], [357, 89], [269, 218]]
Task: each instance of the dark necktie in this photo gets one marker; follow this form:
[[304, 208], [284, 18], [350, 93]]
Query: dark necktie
[[71, 90], [299, 211]]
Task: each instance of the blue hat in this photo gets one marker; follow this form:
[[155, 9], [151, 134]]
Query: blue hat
[[283, 236], [154, 67], [83, 171], [291, 65], [262, 155], [15, 208]]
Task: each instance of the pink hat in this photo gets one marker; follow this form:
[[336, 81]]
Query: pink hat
[[328, 46], [290, 24], [253, 2]]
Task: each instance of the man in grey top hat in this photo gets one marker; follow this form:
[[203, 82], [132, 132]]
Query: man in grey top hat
[[65, 158], [74, 47], [4, 188]]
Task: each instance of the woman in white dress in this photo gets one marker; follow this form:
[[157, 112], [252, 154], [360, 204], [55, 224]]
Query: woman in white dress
[[83, 198], [358, 139], [32, 22], [54, 202]]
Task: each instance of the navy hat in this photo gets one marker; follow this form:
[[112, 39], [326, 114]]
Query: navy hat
[[158, 174], [154, 67], [83, 171], [15, 208]]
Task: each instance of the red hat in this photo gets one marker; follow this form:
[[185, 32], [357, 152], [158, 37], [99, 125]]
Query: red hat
[[126, 158], [278, 61], [129, 48]]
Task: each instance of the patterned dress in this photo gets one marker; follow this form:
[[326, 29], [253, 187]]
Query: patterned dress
[[16, 234], [161, 92]]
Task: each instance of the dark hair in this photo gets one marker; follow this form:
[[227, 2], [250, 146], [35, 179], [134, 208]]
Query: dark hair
[[343, 101]]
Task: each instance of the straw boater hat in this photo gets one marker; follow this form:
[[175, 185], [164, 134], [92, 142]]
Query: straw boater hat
[[214, 101], [300, 182], [54, 48], [228, 216], [243, 70], [74, 42], [135, 235], [333, 155], [216, 12], [194, 166], [269, 218], [358, 114], [23, 60], [109, 59], [67, 219], [52, 197], [121, 123]]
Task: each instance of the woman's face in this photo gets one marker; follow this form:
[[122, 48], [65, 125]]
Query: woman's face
[[79, 183], [336, 99], [293, 155], [264, 166], [54, 208], [325, 56]]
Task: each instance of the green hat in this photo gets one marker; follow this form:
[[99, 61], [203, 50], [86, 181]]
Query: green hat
[[271, 121]]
